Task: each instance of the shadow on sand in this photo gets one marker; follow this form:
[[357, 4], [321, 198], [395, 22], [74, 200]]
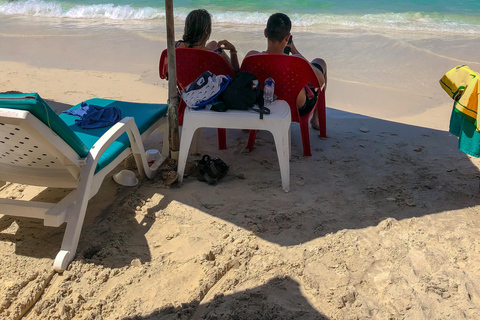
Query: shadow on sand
[[279, 299], [368, 170]]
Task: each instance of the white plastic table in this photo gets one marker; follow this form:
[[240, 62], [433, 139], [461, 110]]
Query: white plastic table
[[277, 122]]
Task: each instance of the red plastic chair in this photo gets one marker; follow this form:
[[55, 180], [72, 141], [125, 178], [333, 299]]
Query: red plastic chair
[[291, 74], [191, 63]]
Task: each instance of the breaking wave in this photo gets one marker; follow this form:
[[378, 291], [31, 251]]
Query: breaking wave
[[407, 21]]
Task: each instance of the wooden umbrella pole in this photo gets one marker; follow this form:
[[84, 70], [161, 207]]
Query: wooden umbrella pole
[[173, 100]]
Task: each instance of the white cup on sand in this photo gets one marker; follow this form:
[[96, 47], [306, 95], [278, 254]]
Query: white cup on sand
[[126, 178], [154, 158], [153, 155]]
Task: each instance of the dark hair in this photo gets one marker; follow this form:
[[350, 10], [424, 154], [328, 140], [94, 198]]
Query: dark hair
[[198, 26], [278, 27]]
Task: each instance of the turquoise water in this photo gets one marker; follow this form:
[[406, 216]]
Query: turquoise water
[[456, 16]]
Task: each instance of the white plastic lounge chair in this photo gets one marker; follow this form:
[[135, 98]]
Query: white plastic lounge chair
[[39, 147]]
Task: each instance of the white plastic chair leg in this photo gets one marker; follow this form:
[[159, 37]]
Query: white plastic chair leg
[[197, 136], [289, 144], [166, 140], [71, 236], [62, 260], [188, 133], [283, 153], [195, 143]]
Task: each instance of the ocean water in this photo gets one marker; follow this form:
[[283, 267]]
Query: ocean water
[[453, 17]]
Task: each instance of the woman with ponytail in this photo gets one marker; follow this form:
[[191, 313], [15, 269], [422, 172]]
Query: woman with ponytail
[[198, 27]]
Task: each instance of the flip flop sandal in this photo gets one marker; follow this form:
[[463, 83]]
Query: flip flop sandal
[[209, 178], [203, 164], [211, 170], [218, 168]]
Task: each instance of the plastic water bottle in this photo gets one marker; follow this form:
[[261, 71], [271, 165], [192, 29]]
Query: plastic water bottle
[[268, 90]]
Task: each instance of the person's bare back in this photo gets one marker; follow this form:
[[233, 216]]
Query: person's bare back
[[279, 37]]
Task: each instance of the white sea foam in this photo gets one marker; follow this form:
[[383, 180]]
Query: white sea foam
[[32, 7], [409, 21], [53, 9]]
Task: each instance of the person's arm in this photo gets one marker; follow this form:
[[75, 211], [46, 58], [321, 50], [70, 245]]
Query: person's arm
[[294, 51], [320, 75], [233, 60]]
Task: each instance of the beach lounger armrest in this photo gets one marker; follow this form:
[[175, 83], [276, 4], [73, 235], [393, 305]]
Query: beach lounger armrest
[[127, 125]]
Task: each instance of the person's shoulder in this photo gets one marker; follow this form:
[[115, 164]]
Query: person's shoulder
[[252, 53], [180, 44]]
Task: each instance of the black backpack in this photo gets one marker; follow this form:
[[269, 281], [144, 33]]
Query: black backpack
[[242, 93]]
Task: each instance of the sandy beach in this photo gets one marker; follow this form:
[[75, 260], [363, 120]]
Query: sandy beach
[[382, 222]]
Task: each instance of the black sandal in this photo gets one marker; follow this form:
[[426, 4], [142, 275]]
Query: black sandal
[[202, 166], [218, 168], [211, 170]]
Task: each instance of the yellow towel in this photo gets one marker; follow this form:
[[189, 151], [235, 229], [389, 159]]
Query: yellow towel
[[462, 85]]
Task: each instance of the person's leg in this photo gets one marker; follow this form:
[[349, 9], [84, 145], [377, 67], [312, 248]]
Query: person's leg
[[320, 68], [301, 99]]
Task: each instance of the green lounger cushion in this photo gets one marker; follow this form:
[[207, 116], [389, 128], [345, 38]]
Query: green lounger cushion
[[145, 115], [81, 140]]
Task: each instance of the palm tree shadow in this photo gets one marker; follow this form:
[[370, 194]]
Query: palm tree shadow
[[280, 298]]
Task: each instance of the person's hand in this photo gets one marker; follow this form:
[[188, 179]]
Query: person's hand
[[226, 45], [293, 49]]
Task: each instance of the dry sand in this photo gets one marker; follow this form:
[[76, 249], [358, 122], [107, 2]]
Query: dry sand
[[382, 222]]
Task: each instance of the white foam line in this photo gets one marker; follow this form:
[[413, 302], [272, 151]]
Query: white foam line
[[409, 21]]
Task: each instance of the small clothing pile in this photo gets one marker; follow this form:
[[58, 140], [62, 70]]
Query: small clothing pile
[[92, 116]]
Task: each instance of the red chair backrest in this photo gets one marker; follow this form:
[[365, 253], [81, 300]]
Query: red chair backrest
[[290, 74], [163, 65], [191, 63]]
